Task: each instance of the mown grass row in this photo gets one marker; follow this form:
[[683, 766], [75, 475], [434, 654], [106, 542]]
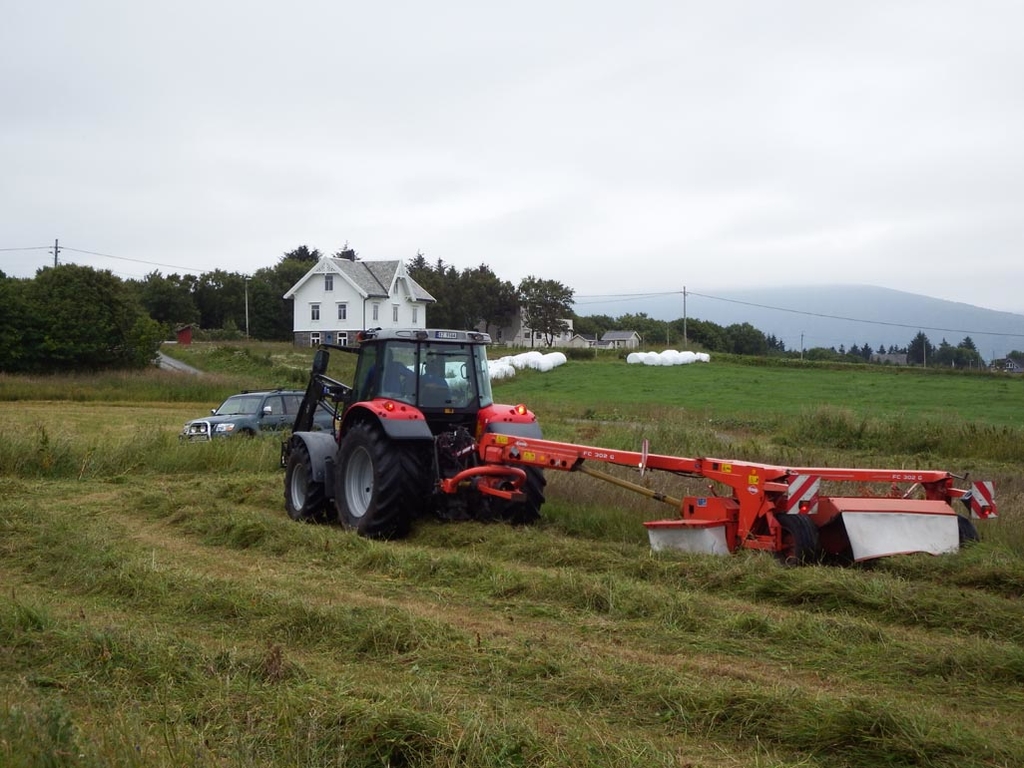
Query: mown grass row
[[158, 608], [644, 662]]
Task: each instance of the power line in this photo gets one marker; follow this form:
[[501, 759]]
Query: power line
[[612, 297], [124, 258], [104, 255]]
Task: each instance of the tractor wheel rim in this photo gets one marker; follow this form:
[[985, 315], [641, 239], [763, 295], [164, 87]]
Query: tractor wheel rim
[[359, 482], [299, 488]]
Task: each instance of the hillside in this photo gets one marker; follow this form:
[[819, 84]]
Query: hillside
[[830, 316]]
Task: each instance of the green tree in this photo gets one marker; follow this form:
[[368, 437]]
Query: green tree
[[487, 299], [271, 316], [16, 337], [305, 254], [442, 282], [88, 320], [920, 351], [220, 298], [745, 339], [546, 304], [169, 300], [711, 336], [593, 325]]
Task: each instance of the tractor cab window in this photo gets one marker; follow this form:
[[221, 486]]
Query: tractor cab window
[[450, 376], [398, 371], [366, 383], [425, 374]]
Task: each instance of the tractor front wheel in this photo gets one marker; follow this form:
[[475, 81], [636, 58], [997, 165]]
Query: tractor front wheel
[[303, 497], [381, 483]]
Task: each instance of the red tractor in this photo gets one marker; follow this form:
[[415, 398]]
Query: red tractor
[[420, 401]]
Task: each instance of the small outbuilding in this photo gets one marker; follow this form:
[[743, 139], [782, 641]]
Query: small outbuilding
[[184, 334]]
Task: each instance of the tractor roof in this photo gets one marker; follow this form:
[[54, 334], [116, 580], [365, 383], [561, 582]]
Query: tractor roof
[[424, 334]]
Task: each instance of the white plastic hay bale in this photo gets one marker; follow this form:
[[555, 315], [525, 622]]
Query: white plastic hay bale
[[555, 359], [685, 358], [703, 357], [526, 360], [634, 358], [500, 369]]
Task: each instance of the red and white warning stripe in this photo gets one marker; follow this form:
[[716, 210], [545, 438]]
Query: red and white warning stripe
[[803, 495], [983, 500]]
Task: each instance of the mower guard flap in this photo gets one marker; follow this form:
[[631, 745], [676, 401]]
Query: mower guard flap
[[883, 527]]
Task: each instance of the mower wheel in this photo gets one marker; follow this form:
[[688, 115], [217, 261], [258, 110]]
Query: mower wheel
[[526, 512], [800, 543], [965, 526]]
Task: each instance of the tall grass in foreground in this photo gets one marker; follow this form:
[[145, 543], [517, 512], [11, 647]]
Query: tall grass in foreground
[[150, 385], [198, 628]]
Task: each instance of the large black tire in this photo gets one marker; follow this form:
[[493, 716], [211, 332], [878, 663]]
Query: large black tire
[[968, 533], [526, 512], [303, 497], [381, 482], [800, 543]]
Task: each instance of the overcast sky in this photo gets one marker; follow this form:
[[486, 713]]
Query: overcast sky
[[616, 147]]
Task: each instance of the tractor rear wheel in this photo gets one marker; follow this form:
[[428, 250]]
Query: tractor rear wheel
[[381, 483], [303, 497], [800, 544]]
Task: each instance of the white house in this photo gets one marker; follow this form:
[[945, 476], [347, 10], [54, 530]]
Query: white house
[[339, 297], [518, 334], [621, 339]]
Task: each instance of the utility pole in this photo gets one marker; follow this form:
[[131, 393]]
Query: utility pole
[[56, 250], [686, 342], [801, 345], [247, 279]]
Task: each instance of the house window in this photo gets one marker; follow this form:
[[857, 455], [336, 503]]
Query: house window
[[328, 282], [376, 311], [394, 313], [343, 339], [415, 315], [343, 311], [314, 339], [314, 311]]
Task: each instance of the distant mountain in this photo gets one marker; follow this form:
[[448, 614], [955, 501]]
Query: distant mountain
[[834, 315]]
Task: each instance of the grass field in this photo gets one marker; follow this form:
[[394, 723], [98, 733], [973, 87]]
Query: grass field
[[158, 608]]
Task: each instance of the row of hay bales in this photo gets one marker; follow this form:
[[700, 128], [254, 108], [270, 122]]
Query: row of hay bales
[[505, 367], [667, 357]]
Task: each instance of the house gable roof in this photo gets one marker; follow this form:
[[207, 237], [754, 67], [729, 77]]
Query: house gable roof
[[371, 279], [619, 335]]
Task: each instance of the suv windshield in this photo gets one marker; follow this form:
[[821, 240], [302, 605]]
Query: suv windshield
[[240, 405]]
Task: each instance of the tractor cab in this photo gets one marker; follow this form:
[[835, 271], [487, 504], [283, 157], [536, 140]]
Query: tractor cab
[[443, 373]]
